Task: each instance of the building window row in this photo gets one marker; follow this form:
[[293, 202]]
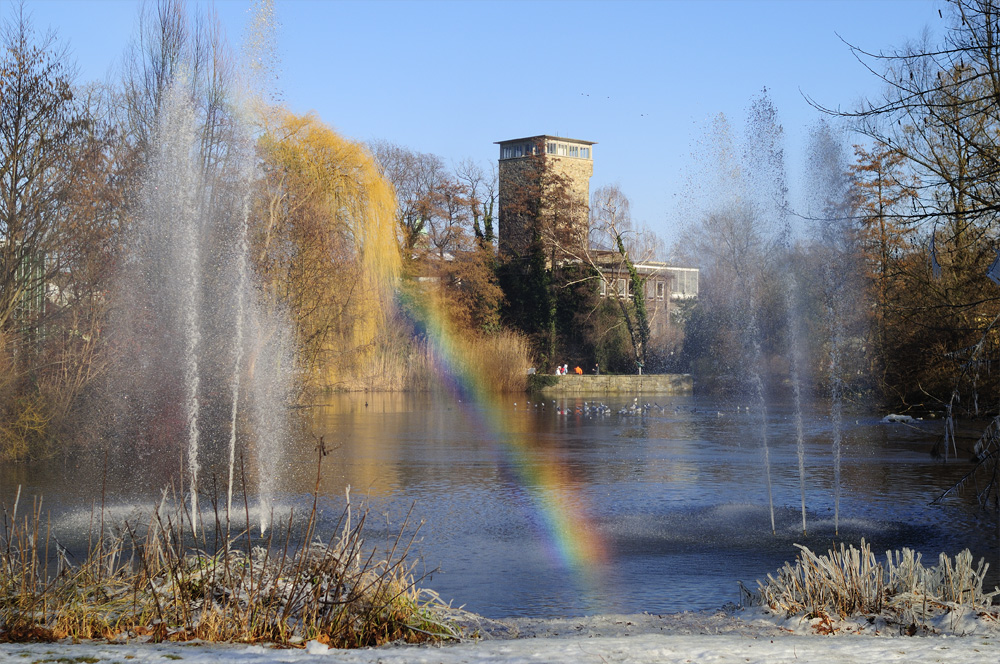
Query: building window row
[[622, 287], [567, 150], [517, 150], [684, 282]]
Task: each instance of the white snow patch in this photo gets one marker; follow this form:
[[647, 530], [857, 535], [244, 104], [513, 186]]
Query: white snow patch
[[316, 648], [722, 637]]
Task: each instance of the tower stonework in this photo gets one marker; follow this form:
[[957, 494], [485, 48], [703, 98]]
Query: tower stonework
[[544, 195]]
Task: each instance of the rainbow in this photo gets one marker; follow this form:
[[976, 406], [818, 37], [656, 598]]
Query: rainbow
[[558, 508]]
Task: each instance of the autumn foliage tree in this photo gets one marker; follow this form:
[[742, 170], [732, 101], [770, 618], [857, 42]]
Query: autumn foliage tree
[[938, 115], [445, 226], [887, 239], [325, 246]]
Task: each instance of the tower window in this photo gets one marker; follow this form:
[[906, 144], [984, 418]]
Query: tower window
[[550, 148], [574, 150], [585, 153]]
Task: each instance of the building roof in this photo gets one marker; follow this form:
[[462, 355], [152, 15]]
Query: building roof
[[545, 137], [610, 258]]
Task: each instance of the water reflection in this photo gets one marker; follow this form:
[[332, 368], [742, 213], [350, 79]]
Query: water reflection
[[678, 496]]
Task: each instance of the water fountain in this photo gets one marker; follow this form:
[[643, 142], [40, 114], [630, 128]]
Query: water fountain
[[760, 398], [831, 211], [764, 193], [795, 375], [201, 358]]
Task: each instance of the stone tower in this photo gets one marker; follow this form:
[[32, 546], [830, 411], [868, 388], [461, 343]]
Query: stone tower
[[544, 194]]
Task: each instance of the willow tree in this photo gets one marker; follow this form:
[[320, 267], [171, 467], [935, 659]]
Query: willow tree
[[326, 248]]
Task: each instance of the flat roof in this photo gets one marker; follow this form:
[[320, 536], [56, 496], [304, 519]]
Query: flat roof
[[545, 137]]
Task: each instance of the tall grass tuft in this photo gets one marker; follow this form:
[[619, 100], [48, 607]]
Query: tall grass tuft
[[848, 582], [503, 356], [163, 584]]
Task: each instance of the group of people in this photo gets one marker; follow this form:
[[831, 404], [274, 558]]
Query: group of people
[[562, 370]]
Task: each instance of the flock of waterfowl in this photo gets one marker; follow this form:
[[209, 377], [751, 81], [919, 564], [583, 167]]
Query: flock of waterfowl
[[594, 408]]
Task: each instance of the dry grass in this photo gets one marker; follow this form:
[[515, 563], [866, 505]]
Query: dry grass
[[848, 582], [413, 364], [504, 357], [165, 584]]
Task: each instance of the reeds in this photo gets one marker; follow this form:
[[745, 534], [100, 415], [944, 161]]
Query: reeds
[[848, 582], [163, 584], [504, 357]]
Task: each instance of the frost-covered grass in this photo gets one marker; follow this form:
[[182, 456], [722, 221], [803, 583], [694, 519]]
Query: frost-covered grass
[[850, 582], [745, 637], [160, 582]]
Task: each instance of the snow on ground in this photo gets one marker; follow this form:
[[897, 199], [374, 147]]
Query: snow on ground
[[690, 638]]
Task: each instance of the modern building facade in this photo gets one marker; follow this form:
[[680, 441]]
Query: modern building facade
[[666, 287]]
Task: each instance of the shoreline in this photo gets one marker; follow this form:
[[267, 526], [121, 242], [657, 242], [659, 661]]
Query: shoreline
[[724, 636]]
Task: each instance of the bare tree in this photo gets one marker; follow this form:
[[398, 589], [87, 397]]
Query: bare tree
[[611, 221], [151, 62], [447, 215], [61, 164], [170, 48], [482, 195], [39, 127]]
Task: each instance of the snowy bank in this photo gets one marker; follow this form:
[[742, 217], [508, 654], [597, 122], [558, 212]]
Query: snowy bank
[[720, 637]]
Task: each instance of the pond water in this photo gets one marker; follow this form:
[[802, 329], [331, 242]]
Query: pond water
[[676, 498]]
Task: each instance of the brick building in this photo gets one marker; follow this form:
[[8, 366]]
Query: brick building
[[544, 189], [544, 194]]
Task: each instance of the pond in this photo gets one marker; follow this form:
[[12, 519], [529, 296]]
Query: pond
[[556, 510], [677, 497]]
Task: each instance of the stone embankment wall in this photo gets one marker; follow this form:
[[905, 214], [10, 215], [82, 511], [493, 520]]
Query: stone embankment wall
[[646, 384]]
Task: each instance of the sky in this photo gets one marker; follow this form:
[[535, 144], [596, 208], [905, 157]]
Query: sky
[[642, 79]]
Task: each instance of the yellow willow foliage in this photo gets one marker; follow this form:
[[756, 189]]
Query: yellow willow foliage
[[328, 245]]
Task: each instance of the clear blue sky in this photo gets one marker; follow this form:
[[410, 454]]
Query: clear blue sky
[[640, 78]]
